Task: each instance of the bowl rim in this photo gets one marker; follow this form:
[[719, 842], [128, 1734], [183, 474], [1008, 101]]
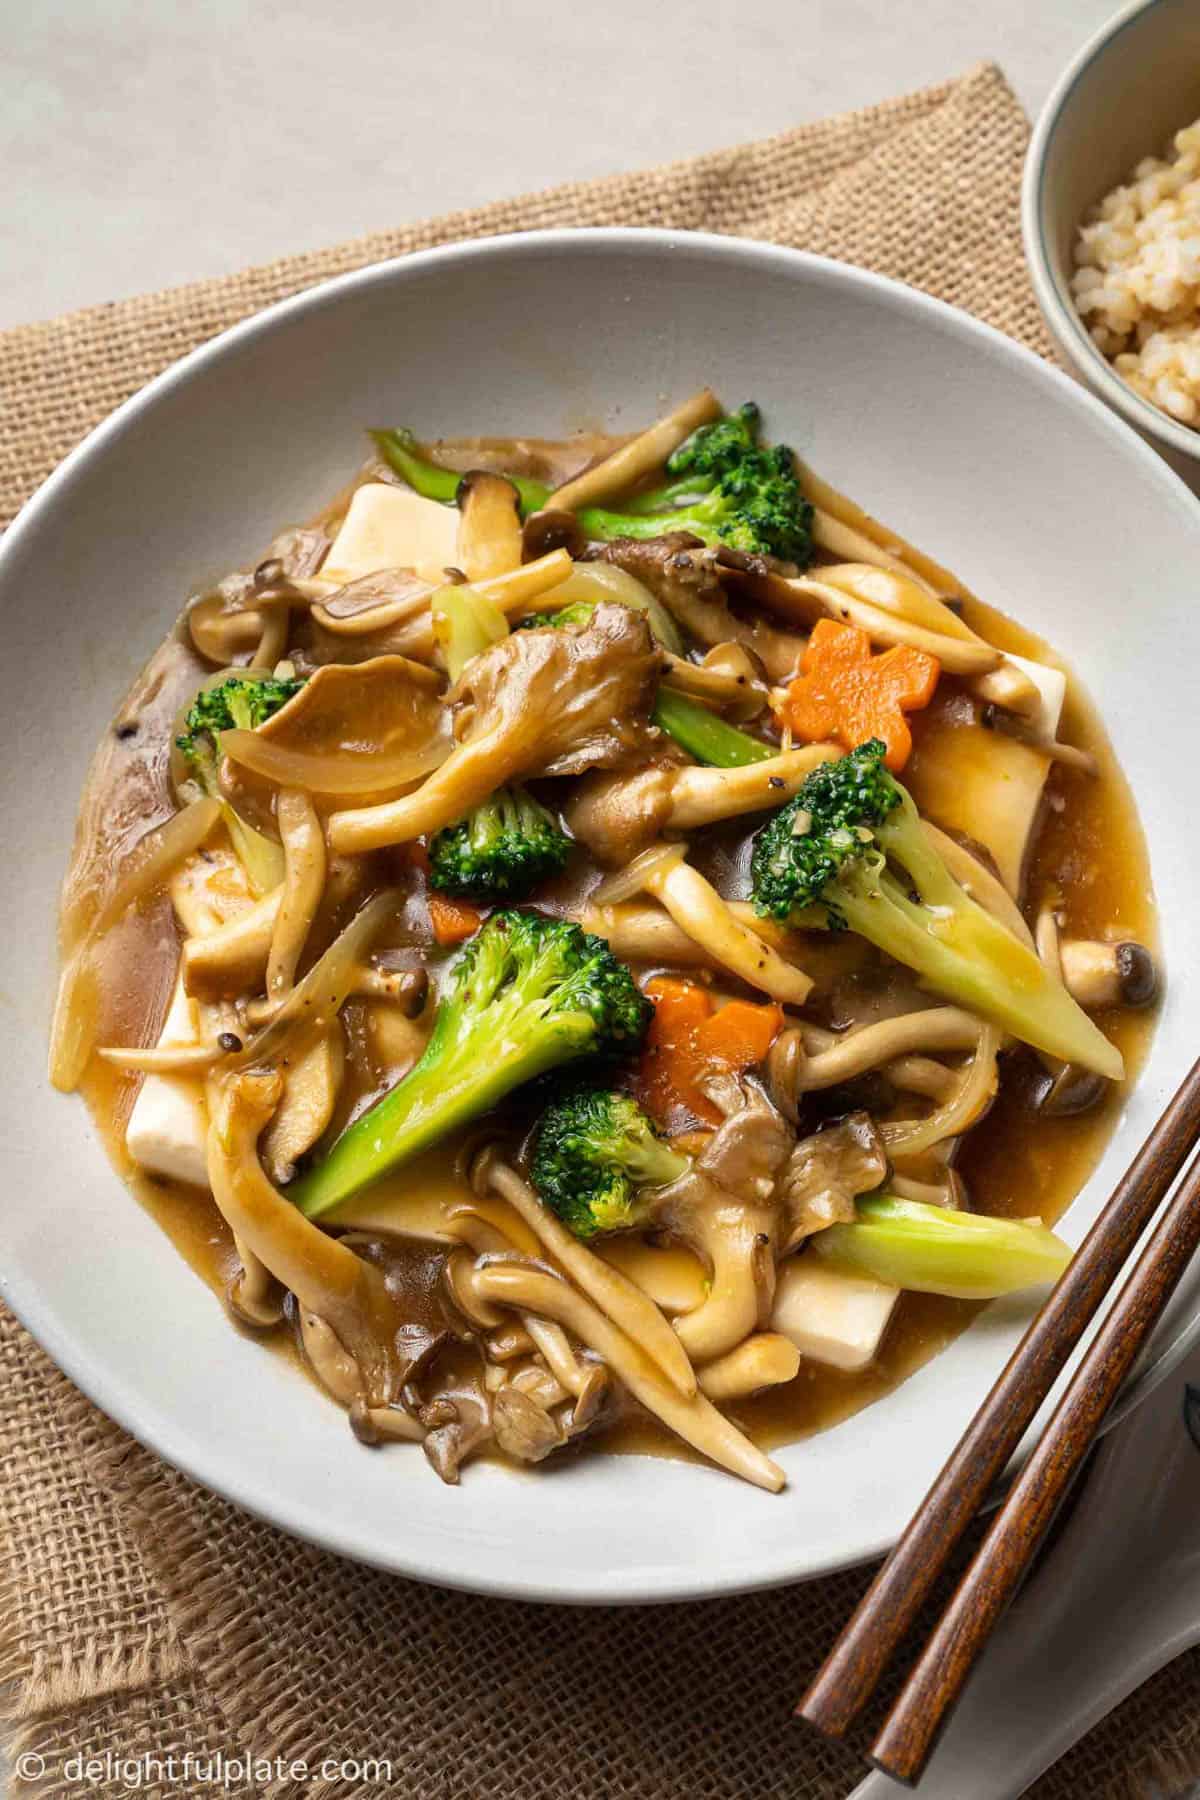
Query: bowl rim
[[169, 1436], [1066, 325]]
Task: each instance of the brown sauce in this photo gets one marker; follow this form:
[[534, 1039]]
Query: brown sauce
[[1092, 846]]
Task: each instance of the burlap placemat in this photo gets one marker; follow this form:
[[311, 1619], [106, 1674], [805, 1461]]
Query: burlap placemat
[[142, 1618]]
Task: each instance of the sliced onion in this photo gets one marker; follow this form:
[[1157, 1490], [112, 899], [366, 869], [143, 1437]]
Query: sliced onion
[[345, 773], [604, 581], [73, 1033], [633, 877]]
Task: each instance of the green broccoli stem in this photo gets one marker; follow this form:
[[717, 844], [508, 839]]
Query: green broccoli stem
[[399, 451], [602, 525], [674, 494], [457, 1079], [937, 1250], [704, 735], [962, 950]]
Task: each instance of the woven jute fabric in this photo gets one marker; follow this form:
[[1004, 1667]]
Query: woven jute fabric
[[142, 1619]]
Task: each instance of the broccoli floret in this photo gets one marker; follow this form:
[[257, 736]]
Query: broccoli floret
[[527, 995], [502, 850], [595, 1151], [577, 613], [726, 487], [240, 702], [851, 845]]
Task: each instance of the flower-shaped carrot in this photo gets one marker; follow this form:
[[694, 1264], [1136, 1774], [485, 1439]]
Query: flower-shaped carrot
[[845, 693]]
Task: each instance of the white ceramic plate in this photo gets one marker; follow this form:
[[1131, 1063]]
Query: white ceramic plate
[[1043, 501]]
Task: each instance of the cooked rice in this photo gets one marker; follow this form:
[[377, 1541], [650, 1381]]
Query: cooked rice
[[1137, 279]]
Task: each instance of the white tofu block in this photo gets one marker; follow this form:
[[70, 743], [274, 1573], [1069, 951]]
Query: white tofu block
[[1051, 685], [990, 785], [831, 1316], [393, 528], [168, 1127]]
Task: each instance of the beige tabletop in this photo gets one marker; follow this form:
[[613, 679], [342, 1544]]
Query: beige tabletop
[[146, 143]]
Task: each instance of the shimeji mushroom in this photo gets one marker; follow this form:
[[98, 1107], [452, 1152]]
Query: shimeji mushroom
[[711, 922], [1099, 974], [619, 815], [528, 1287]]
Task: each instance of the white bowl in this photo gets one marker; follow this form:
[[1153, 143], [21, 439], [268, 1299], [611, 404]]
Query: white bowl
[[1131, 87], [999, 465]]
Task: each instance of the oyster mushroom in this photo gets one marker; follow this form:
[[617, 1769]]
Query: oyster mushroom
[[824, 1174], [536, 703]]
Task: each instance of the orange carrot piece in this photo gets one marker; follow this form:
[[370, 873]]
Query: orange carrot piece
[[669, 1066], [846, 693], [740, 1034], [688, 1041], [452, 920]]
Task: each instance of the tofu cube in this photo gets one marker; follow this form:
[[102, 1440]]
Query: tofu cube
[[831, 1316], [168, 1127], [393, 528]]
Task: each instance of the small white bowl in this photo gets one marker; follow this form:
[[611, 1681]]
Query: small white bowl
[[1127, 92], [994, 461]]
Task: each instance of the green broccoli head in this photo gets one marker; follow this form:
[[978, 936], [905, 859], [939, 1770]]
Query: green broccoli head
[[502, 850], [577, 613], [831, 822], [852, 842], [527, 995], [240, 702], [722, 446], [727, 488], [595, 1149]]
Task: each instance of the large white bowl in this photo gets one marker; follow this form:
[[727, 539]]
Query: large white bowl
[[1042, 500]]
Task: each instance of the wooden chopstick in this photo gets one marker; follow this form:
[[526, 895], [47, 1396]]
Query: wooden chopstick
[[903, 1746], [853, 1668]]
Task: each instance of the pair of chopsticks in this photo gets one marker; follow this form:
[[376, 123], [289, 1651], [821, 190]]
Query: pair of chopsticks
[[854, 1666]]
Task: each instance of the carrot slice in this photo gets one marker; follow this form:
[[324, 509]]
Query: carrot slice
[[740, 1034], [452, 920], [844, 692], [688, 1041]]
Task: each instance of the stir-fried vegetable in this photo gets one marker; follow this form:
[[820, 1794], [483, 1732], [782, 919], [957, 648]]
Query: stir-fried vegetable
[[465, 623], [528, 994], [241, 702], [636, 1260], [852, 843], [595, 1150], [937, 1250], [689, 1041], [502, 850], [703, 734]]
